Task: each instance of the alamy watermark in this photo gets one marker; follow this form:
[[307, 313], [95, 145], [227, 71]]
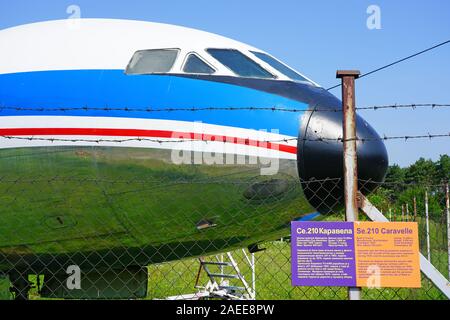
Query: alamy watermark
[[74, 279], [374, 279], [74, 12], [374, 20], [223, 149]]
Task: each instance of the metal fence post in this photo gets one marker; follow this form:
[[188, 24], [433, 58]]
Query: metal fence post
[[350, 157], [415, 209], [427, 221], [253, 276], [447, 209]]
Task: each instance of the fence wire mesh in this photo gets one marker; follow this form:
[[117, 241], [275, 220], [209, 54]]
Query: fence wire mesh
[[124, 218]]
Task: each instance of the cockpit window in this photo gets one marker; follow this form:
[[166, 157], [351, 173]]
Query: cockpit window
[[239, 63], [196, 65], [152, 61], [277, 65]]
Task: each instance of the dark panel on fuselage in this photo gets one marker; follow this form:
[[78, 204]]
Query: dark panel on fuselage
[[297, 91]]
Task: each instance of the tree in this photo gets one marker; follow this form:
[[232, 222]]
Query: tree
[[382, 199], [395, 179], [422, 172], [443, 168], [403, 184]]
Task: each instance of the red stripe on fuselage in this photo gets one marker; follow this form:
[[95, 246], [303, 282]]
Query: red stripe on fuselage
[[144, 133]]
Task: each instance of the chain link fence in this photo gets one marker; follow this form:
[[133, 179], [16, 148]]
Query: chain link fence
[[119, 223]]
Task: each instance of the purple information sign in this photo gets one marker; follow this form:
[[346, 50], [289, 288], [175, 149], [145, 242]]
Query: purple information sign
[[323, 253]]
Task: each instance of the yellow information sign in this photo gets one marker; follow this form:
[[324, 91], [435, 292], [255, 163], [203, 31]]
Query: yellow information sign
[[387, 254]]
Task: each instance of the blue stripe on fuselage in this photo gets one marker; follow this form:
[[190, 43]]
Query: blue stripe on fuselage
[[309, 217], [114, 89]]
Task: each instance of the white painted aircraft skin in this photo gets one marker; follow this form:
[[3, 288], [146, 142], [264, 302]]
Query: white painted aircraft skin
[[107, 44]]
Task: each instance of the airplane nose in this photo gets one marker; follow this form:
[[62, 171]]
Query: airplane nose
[[320, 162]]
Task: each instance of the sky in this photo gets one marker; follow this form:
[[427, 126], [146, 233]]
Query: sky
[[317, 38]]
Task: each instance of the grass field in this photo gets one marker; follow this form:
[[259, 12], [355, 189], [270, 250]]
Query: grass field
[[273, 276], [273, 279]]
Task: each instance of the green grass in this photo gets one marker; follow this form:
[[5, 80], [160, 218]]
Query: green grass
[[273, 274], [272, 280], [4, 289]]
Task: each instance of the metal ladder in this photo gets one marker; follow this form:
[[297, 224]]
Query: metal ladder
[[227, 268]]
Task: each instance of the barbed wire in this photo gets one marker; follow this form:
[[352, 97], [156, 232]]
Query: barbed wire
[[200, 109], [404, 106], [403, 184], [245, 141]]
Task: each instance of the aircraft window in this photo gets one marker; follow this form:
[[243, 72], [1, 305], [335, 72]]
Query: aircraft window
[[196, 65], [152, 61], [279, 66], [239, 63]]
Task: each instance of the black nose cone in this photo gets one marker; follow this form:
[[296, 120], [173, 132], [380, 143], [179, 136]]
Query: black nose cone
[[320, 162]]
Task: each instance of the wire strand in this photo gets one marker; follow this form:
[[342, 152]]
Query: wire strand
[[395, 62], [196, 109], [246, 141]]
